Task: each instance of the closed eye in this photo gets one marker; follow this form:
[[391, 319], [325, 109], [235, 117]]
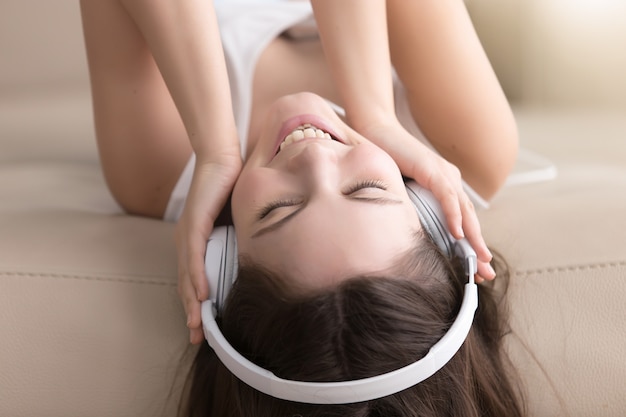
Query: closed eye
[[267, 209], [351, 194], [360, 185], [365, 184]]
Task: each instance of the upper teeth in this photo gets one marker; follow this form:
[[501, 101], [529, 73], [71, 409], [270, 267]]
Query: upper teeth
[[304, 131]]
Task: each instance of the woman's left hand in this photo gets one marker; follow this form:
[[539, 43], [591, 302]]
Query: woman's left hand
[[211, 185], [442, 178]]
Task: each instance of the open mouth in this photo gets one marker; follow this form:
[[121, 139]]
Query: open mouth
[[302, 132]]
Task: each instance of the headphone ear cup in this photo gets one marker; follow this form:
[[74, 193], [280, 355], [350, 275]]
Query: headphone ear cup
[[221, 264], [431, 216], [231, 264]]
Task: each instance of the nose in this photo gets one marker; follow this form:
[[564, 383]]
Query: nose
[[317, 163]]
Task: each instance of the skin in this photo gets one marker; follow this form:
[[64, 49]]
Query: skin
[[351, 230], [160, 92], [155, 68]]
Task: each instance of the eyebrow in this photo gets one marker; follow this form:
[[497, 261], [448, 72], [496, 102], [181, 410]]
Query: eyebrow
[[383, 201]]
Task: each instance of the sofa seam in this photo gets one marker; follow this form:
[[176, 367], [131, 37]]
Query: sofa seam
[[101, 278], [523, 272], [571, 268]]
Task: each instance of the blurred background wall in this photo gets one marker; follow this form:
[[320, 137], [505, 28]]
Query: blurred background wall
[[546, 52], [556, 52], [41, 47]]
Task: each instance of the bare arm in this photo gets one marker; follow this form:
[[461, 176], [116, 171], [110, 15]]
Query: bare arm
[[355, 40], [183, 37], [354, 34], [453, 92]]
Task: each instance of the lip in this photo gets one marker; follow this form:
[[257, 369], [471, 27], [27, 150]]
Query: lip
[[301, 119]]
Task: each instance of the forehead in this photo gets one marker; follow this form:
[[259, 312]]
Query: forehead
[[326, 243]]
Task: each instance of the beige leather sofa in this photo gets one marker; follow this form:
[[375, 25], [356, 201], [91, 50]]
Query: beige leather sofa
[[90, 322]]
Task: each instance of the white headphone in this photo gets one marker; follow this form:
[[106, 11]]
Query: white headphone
[[221, 270]]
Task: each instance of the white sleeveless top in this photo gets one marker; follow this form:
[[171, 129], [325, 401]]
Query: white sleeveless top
[[246, 28]]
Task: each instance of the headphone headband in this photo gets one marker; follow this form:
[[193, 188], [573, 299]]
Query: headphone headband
[[221, 265]]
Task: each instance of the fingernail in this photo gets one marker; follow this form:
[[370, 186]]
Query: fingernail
[[459, 232], [188, 321], [493, 271]]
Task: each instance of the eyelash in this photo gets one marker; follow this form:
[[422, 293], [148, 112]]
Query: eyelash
[[267, 209], [366, 184]]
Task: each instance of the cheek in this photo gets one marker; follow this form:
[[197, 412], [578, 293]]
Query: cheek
[[245, 196], [374, 161]]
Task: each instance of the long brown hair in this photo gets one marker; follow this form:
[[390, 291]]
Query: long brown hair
[[364, 326]]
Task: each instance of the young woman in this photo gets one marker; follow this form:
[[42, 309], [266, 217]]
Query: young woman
[[321, 213]]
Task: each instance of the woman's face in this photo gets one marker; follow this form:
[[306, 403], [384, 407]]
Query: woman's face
[[319, 209]]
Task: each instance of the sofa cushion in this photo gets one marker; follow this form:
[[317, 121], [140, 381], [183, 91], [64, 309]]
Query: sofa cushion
[[565, 242], [90, 319]]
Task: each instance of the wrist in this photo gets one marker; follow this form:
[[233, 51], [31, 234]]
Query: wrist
[[406, 150], [376, 124], [225, 163], [366, 121], [217, 149], [211, 184], [214, 136]]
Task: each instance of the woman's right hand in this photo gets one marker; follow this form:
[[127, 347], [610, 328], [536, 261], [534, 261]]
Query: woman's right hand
[[442, 178], [210, 188]]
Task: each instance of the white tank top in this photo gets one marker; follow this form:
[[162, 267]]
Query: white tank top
[[246, 28]]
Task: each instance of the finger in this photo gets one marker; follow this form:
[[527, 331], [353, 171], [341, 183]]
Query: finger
[[472, 229], [193, 308], [196, 336], [190, 303], [486, 271], [194, 262], [437, 175], [449, 201], [194, 314], [447, 187]]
